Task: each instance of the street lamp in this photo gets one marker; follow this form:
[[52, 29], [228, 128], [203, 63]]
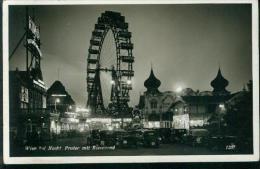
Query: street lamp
[[179, 89], [112, 82], [56, 124], [221, 111], [221, 106], [129, 82], [57, 100]]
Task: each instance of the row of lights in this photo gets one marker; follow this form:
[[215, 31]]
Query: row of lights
[[57, 100], [127, 82]]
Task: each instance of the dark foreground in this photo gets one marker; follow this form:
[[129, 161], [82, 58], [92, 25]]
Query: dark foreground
[[78, 147]]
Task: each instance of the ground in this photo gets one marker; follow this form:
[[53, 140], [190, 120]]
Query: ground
[[74, 146]]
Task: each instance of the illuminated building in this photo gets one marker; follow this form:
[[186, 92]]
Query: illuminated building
[[155, 105], [180, 119], [203, 106], [28, 113], [58, 99], [29, 119], [62, 107], [185, 108]]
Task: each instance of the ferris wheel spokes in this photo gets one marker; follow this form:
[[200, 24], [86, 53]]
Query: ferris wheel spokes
[[121, 72]]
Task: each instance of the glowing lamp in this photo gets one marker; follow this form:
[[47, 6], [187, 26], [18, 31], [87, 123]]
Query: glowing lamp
[[222, 106], [57, 100], [112, 82], [179, 89]]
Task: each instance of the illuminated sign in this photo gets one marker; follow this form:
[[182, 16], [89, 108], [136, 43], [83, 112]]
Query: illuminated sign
[[34, 44], [196, 123], [120, 119], [43, 101], [181, 121], [78, 109], [33, 37], [69, 120], [59, 95], [127, 119], [102, 120], [153, 124], [39, 84], [33, 28], [24, 96]]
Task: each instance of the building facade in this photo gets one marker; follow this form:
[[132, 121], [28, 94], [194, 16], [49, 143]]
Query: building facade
[[155, 105], [63, 109], [184, 109], [208, 106], [28, 113], [29, 118]]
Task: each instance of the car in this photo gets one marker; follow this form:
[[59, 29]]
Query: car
[[93, 138], [107, 138], [118, 136], [165, 134], [151, 138], [133, 138], [130, 140], [177, 135], [196, 137]]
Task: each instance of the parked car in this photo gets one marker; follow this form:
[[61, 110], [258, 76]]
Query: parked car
[[196, 137], [141, 137], [93, 138], [164, 134], [132, 139], [119, 136], [151, 138], [177, 135], [107, 138]]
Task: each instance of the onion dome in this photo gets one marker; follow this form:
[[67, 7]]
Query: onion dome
[[219, 84], [152, 83]]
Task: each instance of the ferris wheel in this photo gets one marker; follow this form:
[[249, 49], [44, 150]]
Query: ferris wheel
[[120, 71]]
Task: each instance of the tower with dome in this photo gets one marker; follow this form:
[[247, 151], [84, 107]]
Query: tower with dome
[[185, 109]]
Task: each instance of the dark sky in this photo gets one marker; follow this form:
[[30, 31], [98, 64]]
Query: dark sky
[[185, 44]]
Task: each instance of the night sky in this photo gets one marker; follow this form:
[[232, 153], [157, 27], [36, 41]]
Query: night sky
[[185, 44]]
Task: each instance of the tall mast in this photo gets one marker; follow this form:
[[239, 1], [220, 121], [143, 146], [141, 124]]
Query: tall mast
[[26, 37]]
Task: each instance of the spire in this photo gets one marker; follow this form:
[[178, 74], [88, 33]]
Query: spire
[[152, 83], [219, 84]]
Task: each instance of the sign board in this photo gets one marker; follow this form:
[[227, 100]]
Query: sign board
[[33, 38], [181, 121], [24, 94]]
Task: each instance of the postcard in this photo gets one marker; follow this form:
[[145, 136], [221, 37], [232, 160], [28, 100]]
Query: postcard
[[130, 82]]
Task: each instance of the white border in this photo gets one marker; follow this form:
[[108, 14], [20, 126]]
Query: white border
[[128, 159]]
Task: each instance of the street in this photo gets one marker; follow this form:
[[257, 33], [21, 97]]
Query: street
[[78, 147]]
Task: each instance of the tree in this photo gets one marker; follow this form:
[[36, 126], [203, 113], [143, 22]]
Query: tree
[[239, 116]]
